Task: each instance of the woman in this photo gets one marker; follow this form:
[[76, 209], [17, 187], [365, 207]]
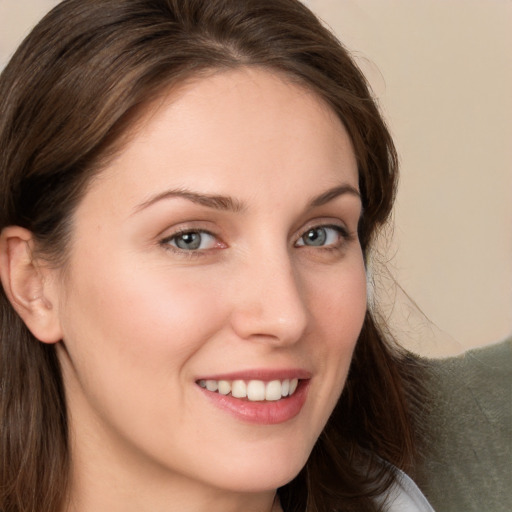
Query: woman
[[190, 192]]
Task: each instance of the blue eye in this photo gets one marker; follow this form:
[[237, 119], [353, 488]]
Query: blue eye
[[321, 236], [191, 241]]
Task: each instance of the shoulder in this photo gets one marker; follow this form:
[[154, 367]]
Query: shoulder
[[404, 496], [466, 464]]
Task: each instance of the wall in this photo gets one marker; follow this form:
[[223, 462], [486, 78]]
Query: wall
[[442, 72]]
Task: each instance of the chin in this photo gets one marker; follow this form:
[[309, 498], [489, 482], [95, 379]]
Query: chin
[[264, 471], [258, 480]]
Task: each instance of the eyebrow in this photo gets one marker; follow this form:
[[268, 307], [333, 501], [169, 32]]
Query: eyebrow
[[333, 193], [214, 201], [227, 203]]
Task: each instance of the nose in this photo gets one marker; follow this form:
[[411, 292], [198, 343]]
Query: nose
[[270, 303]]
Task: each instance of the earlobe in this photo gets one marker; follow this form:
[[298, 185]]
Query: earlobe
[[28, 285]]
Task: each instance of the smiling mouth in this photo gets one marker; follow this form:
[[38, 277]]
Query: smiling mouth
[[252, 390]]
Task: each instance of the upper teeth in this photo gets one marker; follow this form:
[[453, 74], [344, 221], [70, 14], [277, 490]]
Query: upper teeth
[[253, 390]]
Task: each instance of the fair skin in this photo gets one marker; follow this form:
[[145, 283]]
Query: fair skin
[[166, 287]]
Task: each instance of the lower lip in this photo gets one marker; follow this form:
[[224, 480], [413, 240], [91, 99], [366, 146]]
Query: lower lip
[[264, 412]]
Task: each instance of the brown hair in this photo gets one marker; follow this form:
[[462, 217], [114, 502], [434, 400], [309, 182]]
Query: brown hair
[[66, 97]]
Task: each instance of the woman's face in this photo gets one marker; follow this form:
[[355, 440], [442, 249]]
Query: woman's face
[[219, 249]]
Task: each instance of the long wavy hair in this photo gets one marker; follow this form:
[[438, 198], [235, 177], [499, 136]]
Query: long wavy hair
[[69, 94]]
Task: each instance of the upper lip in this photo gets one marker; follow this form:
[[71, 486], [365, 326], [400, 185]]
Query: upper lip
[[260, 374]]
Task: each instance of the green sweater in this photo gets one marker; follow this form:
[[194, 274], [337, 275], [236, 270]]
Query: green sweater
[[468, 456]]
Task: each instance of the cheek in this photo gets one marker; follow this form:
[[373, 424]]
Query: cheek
[[126, 323], [338, 308], [338, 304], [129, 338]]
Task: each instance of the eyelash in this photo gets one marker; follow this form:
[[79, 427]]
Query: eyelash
[[344, 234], [166, 242]]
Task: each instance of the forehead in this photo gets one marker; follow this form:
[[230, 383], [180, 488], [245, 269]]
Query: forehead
[[232, 128]]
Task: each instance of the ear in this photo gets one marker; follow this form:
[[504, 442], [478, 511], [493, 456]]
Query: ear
[[29, 286]]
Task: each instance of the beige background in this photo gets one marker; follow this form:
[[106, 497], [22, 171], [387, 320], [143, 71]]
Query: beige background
[[442, 72]]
